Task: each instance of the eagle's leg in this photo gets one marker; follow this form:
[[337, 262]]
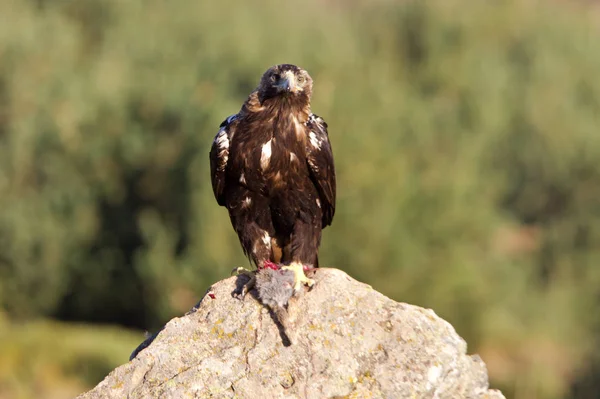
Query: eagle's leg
[[299, 276], [304, 248], [257, 243]]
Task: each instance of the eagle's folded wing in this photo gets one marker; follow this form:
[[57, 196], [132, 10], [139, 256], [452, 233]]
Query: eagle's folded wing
[[320, 163], [219, 155]]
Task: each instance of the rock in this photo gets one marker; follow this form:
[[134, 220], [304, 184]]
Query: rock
[[350, 342]]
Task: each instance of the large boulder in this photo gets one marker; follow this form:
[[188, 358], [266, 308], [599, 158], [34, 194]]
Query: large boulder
[[349, 341]]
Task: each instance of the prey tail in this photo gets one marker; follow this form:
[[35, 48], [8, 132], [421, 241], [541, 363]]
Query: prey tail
[[284, 319]]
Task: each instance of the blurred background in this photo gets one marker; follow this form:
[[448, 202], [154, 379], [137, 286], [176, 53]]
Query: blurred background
[[467, 144]]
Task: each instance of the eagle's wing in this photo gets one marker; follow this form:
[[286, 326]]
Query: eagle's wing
[[320, 163], [219, 155]]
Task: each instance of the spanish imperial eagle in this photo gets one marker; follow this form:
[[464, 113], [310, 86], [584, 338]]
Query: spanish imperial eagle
[[272, 168]]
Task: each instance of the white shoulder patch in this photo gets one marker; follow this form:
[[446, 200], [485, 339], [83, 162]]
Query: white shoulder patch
[[314, 140], [221, 139], [222, 144], [312, 118]]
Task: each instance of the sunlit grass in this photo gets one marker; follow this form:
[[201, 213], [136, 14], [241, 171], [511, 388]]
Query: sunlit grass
[[48, 359]]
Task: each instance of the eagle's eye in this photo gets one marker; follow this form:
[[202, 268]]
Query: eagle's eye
[[301, 79], [275, 77]]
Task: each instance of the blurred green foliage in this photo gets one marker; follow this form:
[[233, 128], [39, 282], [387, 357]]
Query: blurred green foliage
[[467, 146], [49, 360]]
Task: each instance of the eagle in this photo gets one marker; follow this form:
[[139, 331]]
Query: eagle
[[272, 167]]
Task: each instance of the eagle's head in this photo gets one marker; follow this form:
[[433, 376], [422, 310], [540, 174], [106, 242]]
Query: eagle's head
[[285, 81]]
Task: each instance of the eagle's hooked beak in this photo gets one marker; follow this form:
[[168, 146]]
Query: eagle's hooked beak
[[284, 85], [287, 83]]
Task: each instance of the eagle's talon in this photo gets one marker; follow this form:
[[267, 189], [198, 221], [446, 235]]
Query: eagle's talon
[[300, 278]]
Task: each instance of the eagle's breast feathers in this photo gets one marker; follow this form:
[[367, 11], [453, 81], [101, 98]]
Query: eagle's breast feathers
[[300, 148]]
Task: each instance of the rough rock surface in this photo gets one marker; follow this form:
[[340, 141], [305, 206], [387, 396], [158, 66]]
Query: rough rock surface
[[350, 342]]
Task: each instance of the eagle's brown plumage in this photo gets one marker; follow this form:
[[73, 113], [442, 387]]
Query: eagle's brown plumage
[[272, 168]]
